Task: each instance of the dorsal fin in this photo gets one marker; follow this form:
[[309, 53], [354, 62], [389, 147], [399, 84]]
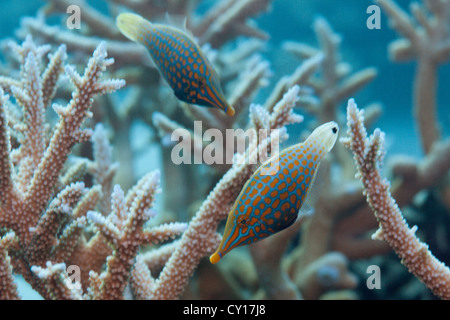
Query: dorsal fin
[[179, 22]]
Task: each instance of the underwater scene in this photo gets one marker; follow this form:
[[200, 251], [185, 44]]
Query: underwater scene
[[225, 150]]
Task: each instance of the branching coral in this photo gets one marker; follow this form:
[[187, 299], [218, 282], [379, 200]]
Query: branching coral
[[200, 238], [47, 210], [429, 44], [124, 230], [224, 21], [58, 211], [49, 240], [369, 154], [242, 70], [43, 225], [8, 287]]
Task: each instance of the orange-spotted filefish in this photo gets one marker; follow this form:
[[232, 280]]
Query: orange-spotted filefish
[[179, 59], [270, 200]]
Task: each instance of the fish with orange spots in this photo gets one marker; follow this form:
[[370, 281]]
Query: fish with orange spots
[[271, 199], [179, 59]]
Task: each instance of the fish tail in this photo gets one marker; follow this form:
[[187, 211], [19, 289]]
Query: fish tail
[[132, 25]]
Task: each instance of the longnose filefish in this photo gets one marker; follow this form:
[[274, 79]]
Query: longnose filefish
[[179, 59], [271, 199]]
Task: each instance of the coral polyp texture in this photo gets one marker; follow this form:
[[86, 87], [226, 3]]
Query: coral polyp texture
[[116, 181], [369, 154]]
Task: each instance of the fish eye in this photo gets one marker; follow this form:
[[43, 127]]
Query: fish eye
[[334, 129], [242, 221]]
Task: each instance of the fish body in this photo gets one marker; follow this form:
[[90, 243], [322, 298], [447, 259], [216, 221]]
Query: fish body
[[179, 59], [271, 199]]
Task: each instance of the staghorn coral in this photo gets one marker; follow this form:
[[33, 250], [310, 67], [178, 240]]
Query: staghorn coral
[[124, 230], [322, 256], [429, 44], [215, 30], [47, 211], [342, 219], [200, 238], [8, 287], [369, 154], [31, 171], [42, 261]]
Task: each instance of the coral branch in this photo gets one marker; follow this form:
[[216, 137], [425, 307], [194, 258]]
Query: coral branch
[[6, 167], [267, 256], [52, 73], [103, 169], [47, 227], [57, 282], [429, 43], [8, 289], [368, 154], [228, 18], [63, 137], [201, 238], [123, 230]]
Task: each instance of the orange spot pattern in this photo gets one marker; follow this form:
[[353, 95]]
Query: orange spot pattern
[[276, 198], [184, 67]]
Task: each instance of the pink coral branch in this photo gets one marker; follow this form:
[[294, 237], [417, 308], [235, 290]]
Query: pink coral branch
[[201, 238], [8, 287], [6, 168], [30, 174], [124, 231], [368, 155], [428, 43]]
